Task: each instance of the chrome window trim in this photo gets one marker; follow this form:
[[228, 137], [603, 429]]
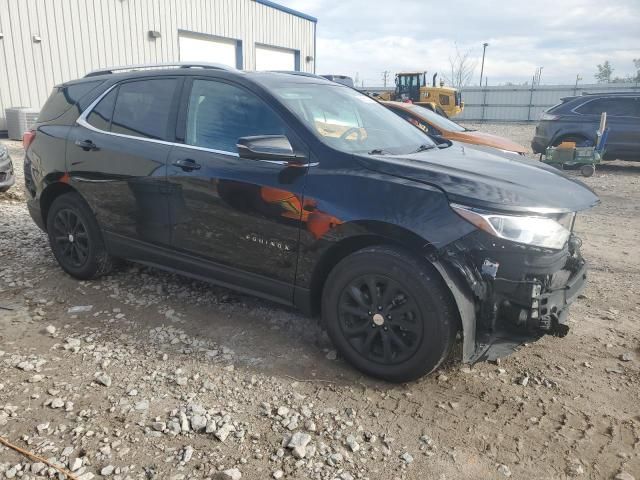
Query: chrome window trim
[[82, 120]]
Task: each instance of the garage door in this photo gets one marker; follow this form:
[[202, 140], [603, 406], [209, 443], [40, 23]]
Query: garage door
[[269, 58], [196, 48]]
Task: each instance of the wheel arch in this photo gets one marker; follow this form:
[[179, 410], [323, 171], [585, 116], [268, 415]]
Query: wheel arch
[[361, 235], [49, 194]]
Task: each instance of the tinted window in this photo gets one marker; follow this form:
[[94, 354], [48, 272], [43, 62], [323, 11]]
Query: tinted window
[[219, 114], [63, 98], [616, 107], [100, 116], [424, 126], [143, 108]]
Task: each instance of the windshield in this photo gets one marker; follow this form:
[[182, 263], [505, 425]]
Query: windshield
[[350, 121], [436, 120]]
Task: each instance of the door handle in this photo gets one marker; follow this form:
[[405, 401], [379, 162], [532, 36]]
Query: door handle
[[86, 145], [187, 164]]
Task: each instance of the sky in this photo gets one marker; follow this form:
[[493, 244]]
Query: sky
[[566, 37]]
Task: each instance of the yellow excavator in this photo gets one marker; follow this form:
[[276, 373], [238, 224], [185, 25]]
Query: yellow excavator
[[412, 86]]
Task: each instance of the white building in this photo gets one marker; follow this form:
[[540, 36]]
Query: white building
[[44, 43]]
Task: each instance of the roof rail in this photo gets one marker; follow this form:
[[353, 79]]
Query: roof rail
[[149, 66], [298, 73], [586, 94]]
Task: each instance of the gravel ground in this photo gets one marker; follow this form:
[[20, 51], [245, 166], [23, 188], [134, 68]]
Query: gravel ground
[[144, 374]]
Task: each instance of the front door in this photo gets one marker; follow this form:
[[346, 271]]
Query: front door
[[116, 158], [237, 213]]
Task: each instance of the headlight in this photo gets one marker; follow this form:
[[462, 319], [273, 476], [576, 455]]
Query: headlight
[[541, 231]]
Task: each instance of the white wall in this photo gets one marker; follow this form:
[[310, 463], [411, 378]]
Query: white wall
[[78, 36]]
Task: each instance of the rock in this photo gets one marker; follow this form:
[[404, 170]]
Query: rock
[[184, 422], [43, 427], [278, 474], [332, 355], [86, 476], [298, 444], [524, 381], [623, 476], [57, 403], [335, 459], [283, 411], [159, 426], [51, 330], [75, 463], [187, 453], [182, 381], [26, 366], [223, 432], [230, 474], [504, 470], [142, 405], [80, 309], [626, 357], [36, 378], [574, 468], [198, 423], [407, 458], [103, 379], [108, 470], [37, 467], [352, 443]]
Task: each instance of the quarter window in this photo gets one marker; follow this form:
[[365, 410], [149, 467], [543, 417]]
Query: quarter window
[[100, 116], [143, 108], [220, 113]]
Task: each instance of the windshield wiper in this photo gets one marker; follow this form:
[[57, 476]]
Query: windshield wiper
[[377, 151], [424, 147]]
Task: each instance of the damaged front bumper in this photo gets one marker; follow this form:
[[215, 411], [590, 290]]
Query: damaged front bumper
[[508, 294]]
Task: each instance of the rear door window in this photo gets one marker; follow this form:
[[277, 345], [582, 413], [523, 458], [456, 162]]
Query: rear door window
[[143, 108], [220, 113], [615, 107]]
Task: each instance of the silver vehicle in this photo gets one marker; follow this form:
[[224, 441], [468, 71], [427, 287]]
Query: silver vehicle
[[7, 178]]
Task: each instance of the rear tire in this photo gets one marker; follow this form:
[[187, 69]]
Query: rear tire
[[75, 238], [389, 314]]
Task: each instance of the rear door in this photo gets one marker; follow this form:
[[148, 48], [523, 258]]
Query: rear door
[[242, 215], [623, 121], [116, 157]]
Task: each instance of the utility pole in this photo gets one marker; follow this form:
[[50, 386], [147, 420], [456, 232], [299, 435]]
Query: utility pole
[[575, 88], [385, 77], [484, 50]]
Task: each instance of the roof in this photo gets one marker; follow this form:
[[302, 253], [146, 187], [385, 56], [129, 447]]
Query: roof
[[291, 11]]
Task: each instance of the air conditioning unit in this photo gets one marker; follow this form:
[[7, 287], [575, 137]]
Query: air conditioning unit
[[19, 120]]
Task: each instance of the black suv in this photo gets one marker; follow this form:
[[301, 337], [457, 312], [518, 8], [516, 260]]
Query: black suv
[[308, 193], [577, 119]]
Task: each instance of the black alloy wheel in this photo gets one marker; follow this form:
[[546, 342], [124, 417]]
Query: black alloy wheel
[[70, 234], [389, 313], [76, 239], [380, 319]]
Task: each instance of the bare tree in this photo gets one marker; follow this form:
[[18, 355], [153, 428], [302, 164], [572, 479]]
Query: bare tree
[[461, 68]]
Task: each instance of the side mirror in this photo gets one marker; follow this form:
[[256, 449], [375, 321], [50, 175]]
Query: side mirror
[[267, 147]]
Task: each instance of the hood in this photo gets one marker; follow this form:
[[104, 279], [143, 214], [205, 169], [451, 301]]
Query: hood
[[474, 178], [482, 138]]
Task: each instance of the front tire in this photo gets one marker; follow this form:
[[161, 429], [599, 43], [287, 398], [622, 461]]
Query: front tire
[[75, 238], [389, 314]]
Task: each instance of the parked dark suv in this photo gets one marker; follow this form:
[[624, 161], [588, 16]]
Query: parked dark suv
[[577, 119], [309, 193]]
